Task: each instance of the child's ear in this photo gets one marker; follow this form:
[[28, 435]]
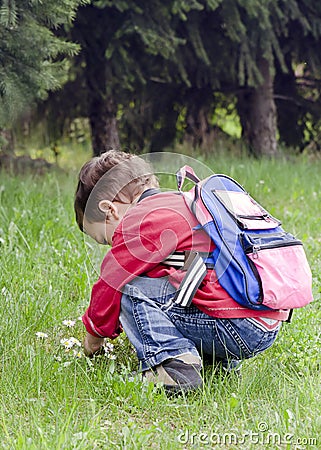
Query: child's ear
[[108, 207]]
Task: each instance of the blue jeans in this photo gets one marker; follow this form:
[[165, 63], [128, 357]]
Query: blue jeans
[[160, 330]]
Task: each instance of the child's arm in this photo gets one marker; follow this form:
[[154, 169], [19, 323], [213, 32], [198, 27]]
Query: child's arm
[[141, 242], [92, 344]]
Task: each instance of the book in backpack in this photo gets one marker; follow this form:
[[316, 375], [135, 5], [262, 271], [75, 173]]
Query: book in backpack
[[256, 261]]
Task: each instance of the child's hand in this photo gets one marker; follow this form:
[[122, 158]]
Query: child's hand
[[92, 344]]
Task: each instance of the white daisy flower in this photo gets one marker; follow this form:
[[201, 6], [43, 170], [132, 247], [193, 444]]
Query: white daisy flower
[[41, 335], [109, 347], [75, 341], [69, 323], [67, 343], [77, 354], [67, 363]]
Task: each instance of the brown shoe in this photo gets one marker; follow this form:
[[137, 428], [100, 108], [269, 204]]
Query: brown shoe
[[182, 373]]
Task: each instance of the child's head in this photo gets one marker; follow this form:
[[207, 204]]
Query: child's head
[[114, 176]]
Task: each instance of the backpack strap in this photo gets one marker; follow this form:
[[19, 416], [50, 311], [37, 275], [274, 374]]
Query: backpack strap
[[193, 262], [185, 172], [195, 274], [179, 259], [176, 259]]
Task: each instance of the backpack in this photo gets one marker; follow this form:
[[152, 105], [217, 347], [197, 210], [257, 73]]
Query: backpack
[[261, 266]]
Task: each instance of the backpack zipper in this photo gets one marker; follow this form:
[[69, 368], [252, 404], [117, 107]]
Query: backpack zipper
[[258, 247]]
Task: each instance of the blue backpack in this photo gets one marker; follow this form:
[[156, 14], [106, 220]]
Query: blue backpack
[[261, 266]]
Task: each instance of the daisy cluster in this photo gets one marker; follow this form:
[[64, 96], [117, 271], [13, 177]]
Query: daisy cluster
[[71, 346]]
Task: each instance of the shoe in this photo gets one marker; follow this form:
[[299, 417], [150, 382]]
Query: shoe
[[179, 374]]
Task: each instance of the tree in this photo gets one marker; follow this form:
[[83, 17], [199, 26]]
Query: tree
[[238, 46], [257, 113], [101, 103], [144, 64], [297, 89], [114, 50], [31, 56], [218, 51]]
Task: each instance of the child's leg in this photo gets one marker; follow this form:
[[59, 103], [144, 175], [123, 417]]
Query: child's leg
[[161, 331], [147, 324], [165, 354]]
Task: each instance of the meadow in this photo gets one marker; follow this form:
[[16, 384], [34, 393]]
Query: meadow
[[53, 397]]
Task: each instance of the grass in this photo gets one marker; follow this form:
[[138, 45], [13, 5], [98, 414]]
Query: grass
[[52, 397]]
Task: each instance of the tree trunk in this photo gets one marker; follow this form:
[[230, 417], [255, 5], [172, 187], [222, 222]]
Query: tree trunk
[[164, 115], [290, 112], [166, 135], [258, 115], [6, 140], [102, 106], [199, 131], [103, 123]]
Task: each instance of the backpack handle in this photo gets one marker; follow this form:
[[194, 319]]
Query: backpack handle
[[185, 172]]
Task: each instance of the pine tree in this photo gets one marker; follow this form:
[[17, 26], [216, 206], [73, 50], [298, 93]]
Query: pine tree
[[144, 64], [237, 46], [297, 89], [120, 43], [32, 57]]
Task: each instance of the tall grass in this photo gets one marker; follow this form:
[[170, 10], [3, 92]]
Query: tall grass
[[52, 397]]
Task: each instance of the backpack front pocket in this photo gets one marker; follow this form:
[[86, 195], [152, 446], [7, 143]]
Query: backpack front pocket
[[246, 212], [279, 261]]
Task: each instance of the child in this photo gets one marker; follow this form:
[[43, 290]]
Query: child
[[118, 202]]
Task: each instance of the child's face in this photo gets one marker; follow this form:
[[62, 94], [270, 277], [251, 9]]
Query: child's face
[[99, 231], [102, 232]]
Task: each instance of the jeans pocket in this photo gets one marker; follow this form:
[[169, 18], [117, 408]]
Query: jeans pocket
[[266, 341], [232, 341], [242, 339]]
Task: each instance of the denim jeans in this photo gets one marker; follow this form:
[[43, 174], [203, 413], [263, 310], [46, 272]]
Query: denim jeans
[[160, 330]]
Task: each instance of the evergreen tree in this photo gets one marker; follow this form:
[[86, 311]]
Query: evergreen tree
[[118, 53], [297, 89], [144, 64], [31, 55], [237, 46]]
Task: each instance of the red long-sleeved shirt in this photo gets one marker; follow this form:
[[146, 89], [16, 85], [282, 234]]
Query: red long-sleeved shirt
[[149, 232]]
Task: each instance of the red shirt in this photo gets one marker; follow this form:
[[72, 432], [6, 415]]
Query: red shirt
[[149, 232]]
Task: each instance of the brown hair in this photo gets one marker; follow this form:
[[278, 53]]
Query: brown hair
[[114, 176]]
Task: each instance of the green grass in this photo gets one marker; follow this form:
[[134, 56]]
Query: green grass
[[53, 399]]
